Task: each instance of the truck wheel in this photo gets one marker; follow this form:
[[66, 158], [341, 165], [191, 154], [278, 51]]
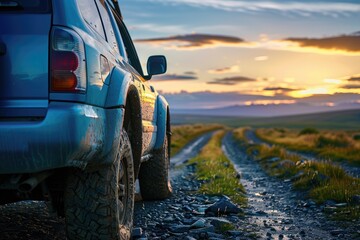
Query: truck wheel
[[154, 175], [100, 204]]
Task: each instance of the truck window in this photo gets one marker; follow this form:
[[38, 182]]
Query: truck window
[[91, 15], [110, 35]]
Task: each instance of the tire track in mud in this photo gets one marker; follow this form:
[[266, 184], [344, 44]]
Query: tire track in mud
[[278, 211]]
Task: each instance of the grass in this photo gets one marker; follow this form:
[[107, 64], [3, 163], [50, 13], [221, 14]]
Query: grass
[[333, 145], [217, 172], [321, 181], [183, 134]]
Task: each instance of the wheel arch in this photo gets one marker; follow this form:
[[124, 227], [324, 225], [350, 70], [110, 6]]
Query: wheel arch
[[123, 93], [131, 123], [163, 122]]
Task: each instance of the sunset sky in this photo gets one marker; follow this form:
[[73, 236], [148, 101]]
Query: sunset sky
[[236, 52]]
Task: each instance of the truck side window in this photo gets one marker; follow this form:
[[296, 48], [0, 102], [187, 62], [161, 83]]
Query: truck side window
[[91, 15], [133, 58], [110, 35]]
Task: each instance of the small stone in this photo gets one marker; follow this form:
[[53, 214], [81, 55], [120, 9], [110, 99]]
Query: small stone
[[302, 233], [137, 232], [206, 229], [189, 238], [179, 228], [260, 213], [268, 234], [174, 208], [341, 204], [330, 203], [336, 232], [187, 208], [214, 236], [169, 219], [274, 159], [223, 206], [187, 221], [234, 233], [356, 199], [291, 228], [219, 223], [281, 236], [199, 223]]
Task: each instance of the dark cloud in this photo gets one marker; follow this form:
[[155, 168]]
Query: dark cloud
[[349, 43], [224, 70], [190, 73], [195, 40], [351, 86], [354, 79], [281, 89], [175, 77], [232, 80]]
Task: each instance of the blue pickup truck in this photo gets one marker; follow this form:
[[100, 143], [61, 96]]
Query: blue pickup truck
[[79, 122]]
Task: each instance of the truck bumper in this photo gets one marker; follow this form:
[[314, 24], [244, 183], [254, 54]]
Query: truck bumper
[[71, 135]]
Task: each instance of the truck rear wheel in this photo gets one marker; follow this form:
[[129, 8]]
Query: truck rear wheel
[[154, 176], [100, 204]]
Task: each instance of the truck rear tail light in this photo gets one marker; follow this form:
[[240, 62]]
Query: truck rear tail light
[[68, 68]]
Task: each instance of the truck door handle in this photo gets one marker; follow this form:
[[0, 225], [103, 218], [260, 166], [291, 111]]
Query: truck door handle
[[2, 48]]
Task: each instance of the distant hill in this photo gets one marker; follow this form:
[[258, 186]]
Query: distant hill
[[346, 119], [270, 110]]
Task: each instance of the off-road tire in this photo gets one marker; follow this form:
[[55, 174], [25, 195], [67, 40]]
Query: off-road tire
[[154, 176], [100, 204]]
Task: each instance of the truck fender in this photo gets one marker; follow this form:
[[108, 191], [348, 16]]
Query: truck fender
[[120, 82], [162, 108]]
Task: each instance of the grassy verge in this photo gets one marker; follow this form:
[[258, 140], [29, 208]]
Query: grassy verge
[[183, 134], [330, 145], [217, 172], [321, 181]]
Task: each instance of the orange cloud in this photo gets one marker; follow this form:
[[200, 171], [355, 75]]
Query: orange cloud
[[232, 69], [195, 41], [351, 86], [281, 89], [336, 44], [354, 79], [232, 80]]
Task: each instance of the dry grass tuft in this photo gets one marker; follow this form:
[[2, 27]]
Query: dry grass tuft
[[217, 172]]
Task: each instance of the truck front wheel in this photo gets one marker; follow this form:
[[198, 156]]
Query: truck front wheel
[[100, 204]]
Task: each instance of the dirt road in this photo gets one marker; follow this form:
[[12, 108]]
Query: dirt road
[[280, 212], [274, 210]]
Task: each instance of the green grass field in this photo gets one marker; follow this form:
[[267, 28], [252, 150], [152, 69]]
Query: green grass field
[[332, 145]]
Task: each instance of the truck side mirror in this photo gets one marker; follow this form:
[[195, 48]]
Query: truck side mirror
[[156, 65]]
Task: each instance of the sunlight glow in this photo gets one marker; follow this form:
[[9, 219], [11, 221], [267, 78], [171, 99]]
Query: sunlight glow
[[333, 81], [268, 102], [309, 92]]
